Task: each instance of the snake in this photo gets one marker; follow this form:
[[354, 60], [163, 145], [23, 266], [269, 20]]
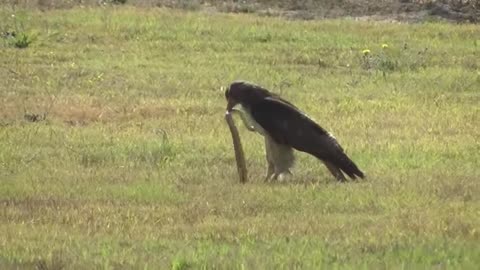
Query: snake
[[237, 147]]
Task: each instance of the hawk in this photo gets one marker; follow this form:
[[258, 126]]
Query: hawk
[[285, 128]]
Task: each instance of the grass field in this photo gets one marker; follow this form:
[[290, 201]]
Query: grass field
[[114, 153]]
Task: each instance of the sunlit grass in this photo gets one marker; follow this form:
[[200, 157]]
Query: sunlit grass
[[133, 164]]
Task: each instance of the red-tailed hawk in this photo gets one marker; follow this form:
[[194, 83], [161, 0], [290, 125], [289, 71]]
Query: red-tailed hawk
[[285, 127]]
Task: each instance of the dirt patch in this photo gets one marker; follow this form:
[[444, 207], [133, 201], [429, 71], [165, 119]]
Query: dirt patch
[[390, 10], [384, 10]]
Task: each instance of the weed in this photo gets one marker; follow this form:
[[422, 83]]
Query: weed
[[390, 59], [22, 41], [180, 264]]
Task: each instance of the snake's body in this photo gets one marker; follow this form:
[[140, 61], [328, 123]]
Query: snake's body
[[237, 146]]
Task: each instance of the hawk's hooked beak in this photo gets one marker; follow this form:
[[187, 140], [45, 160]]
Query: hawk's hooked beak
[[231, 103]]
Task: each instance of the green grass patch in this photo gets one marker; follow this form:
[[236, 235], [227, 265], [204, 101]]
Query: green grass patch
[[129, 163]]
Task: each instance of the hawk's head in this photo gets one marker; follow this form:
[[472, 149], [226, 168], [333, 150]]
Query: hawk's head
[[244, 93]]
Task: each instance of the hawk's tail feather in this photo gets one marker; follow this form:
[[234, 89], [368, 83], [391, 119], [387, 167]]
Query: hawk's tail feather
[[349, 167]]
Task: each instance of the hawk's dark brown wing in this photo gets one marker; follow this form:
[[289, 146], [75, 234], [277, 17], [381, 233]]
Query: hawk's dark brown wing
[[287, 125]]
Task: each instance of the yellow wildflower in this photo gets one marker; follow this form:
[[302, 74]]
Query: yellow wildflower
[[384, 46], [366, 52]]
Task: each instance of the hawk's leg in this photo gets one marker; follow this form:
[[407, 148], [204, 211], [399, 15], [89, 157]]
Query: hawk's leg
[[270, 171], [279, 160], [270, 161]]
